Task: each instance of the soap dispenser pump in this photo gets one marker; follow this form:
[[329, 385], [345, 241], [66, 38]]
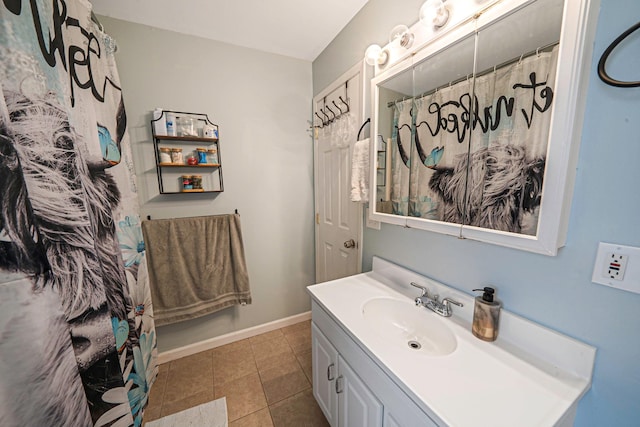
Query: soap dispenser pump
[[486, 315]]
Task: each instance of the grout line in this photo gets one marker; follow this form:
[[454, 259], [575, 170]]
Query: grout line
[[231, 337], [268, 405]]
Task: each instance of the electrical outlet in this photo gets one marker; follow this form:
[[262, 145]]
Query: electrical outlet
[[617, 266]]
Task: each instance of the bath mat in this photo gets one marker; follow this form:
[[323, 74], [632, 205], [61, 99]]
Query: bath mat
[[210, 414]]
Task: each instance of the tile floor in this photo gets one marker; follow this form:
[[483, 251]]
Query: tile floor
[[266, 380]]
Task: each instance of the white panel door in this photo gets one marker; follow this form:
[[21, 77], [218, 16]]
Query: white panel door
[[358, 406], [338, 219], [325, 370]]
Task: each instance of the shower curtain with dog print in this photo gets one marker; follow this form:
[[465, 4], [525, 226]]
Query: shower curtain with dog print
[[480, 149], [77, 338]]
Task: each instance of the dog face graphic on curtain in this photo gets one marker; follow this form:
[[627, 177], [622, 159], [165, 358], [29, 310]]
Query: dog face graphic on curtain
[[73, 347], [56, 210]]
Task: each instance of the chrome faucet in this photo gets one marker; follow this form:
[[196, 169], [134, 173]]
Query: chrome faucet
[[443, 308]]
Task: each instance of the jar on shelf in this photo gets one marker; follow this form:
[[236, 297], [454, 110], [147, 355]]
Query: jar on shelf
[[186, 126], [192, 160], [202, 155], [176, 156], [212, 156], [196, 180], [187, 182], [164, 155]]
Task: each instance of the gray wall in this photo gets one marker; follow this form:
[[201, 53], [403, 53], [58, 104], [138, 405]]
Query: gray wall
[[261, 102], [371, 25], [554, 291]]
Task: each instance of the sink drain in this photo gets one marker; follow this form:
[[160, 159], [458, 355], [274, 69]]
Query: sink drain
[[415, 345]]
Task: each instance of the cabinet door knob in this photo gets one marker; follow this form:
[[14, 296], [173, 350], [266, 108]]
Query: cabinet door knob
[[330, 376], [339, 385]]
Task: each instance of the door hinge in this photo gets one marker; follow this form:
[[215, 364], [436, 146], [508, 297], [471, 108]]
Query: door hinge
[[318, 219]]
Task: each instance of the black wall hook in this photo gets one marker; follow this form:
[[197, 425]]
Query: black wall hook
[[331, 111], [362, 128], [602, 72], [345, 103], [336, 105]]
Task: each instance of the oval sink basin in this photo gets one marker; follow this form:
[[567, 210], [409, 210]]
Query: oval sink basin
[[415, 329]]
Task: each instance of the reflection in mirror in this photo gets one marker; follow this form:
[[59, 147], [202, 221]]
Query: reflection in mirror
[[469, 125], [394, 129], [513, 95], [443, 84], [483, 120]]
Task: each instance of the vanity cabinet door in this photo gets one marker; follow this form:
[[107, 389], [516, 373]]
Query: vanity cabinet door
[[358, 405], [325, 371]]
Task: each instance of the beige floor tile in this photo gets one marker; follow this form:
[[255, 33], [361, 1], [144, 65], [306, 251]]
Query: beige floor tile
[[306, 363], [190, 362], [297, 411], [277, 359], [169, 408], [269, 348], [152, 413], [266, 336], [283, 380], [164, 368], [242, 345], [285, 366], [232, 365], [261, 418], [296, 327], [286, 386], [158, 388], [299, 340], [244, 396], [186, 381]]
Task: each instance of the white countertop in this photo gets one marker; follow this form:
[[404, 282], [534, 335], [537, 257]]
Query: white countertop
[[479, 383]]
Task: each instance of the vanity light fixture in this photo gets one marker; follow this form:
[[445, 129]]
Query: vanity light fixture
[[374, 55], [434, 13], [402, 34]]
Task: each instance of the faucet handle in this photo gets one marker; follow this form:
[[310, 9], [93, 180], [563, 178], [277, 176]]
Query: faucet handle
[[446, 301], [422, 288]]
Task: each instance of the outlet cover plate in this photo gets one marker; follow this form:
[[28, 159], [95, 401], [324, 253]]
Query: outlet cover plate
[[630, 274]]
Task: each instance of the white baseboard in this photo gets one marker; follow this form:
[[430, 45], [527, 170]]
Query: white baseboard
[[188, 350]]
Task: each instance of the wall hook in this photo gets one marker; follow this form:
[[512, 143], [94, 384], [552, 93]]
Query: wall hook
[[336, 105], [602, 72], [345, 103]]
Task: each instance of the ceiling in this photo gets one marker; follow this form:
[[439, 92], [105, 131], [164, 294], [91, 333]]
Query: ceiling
[[296, 28]]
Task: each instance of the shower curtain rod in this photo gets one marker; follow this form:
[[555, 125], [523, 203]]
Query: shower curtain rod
[[544, 48]]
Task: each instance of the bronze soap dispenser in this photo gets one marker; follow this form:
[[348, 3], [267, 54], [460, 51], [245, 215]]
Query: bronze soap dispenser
[[486, 315]]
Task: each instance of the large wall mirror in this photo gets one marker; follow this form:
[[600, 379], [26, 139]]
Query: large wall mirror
[[477, 128]]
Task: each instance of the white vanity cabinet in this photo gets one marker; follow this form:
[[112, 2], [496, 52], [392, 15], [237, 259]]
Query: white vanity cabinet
[[325, 367], [343, 397], [350, 388], [364, 329]]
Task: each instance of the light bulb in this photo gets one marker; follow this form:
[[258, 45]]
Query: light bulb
[[402, 35], [434, 12], [374, 55]]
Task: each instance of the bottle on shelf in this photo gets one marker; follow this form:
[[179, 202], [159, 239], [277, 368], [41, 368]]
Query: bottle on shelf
[[159, 123], [171, 124]]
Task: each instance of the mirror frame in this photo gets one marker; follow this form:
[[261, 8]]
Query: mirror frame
[[574, 59]]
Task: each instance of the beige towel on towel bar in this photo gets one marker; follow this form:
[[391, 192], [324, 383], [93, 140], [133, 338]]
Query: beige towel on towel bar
[[196, 266]]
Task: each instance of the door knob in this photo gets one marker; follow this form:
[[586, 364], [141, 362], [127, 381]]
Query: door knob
[[350, 244]]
